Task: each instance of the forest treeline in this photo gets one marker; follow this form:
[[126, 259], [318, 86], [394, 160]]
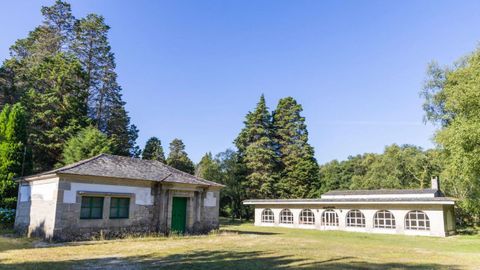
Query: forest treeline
[[60, 102]]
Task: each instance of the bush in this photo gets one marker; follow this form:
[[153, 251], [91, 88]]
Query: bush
[[7, 217], [8, 203]]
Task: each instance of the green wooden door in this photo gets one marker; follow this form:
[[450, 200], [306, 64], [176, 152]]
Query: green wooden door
[[179, 214]]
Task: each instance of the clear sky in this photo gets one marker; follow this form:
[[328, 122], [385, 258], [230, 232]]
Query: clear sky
[[193, 69]]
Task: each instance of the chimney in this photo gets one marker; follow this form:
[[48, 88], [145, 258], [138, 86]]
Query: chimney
[[435, 183]]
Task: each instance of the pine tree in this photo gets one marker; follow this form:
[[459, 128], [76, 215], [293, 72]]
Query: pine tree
[[14, 153], [178, 158], [256, 150], [299, 167], [153, 150], [56, 108], [87, 143], [106, 107]]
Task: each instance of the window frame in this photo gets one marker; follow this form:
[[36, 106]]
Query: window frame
[[119, 207], [330, 218], [378, 225], [355, 219], [267, 216], [286, 216], [425, 220], [306, 217], [91, 207]]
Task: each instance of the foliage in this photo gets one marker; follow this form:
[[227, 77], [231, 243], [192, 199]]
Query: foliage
[[7, 217], [452, 100], [87, 143], [64, 74], [178, 158], [299, 169], [153, 150], [256, 149], [14, 153]]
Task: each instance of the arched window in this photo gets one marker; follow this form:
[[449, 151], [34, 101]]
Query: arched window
[[307, 217], [384, 219], [329, 218], [417, 220], [286, 217], [355, 218], [267, 216]]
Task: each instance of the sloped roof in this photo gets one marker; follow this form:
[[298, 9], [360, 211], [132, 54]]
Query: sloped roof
[[327, 202], [105, 165]]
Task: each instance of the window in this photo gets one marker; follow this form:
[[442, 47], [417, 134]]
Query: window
[[417, 220], [307, 217], [267, 216], [355, 218], [384, 219], [329, 218], [91, 208], [119, 207], [286, 217]]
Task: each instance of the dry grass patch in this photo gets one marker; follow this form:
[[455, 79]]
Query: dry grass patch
[[243, 246]]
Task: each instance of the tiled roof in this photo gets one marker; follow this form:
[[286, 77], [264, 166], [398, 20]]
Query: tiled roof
[[105, 165]]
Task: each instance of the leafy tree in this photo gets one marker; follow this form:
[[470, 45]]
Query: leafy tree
[[233, 177], [452, 101], [256, 150], [299, 167], [153, 150], [87, 143], [14, 153], [208, 169], [178, 158]]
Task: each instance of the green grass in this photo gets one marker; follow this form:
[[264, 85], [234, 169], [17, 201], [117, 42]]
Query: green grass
[[243, 246]]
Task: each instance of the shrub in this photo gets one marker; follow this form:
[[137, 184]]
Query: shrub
[[7, 217]]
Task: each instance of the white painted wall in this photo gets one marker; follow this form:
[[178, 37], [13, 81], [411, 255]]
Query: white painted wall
[[143, 195], [210, 200], [434, 212]]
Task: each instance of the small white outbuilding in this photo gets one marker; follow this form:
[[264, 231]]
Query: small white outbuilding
[[408, 211]]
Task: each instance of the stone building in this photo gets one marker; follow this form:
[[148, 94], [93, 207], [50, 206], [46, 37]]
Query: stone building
[[114, 195], [413, 212]]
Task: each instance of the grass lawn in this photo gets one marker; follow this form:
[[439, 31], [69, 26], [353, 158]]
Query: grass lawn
[[243, 246]]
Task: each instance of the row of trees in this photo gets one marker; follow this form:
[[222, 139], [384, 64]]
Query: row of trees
[[60, 82]]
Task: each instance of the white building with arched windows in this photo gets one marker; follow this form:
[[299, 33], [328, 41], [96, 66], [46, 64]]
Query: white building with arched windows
[[412, 212]]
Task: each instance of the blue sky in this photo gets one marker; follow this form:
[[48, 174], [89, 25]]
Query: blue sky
[[193, 69]]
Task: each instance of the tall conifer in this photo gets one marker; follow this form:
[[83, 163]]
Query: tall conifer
[[178, 158], [256, 149], [299, 167], [153, 150]]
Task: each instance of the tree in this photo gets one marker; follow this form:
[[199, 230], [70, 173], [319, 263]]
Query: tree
[[256, 149], [14, 153], [208, 169], [233, 177], [106, 107], [57, 110], [87, 143], [299, 167], [178, 158], [153, 150], [452, 101]]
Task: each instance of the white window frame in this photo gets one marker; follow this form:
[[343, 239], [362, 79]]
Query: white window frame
[[267, 216], [330, 218], [307, 217], [384, 219], [355, 218], [417, 220], [286, 216]]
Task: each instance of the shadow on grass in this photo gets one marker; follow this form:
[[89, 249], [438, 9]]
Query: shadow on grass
[[247, 232], [218, 260]]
